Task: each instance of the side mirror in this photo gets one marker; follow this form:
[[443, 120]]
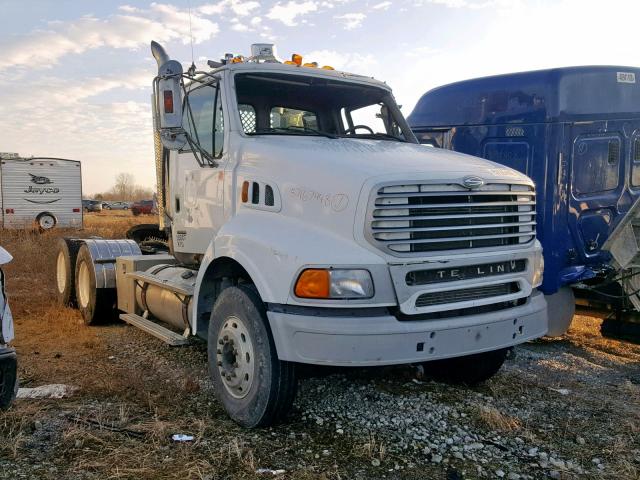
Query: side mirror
[[167, 99]]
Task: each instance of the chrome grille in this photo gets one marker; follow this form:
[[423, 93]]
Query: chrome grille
[[466, 294], [416, 218]]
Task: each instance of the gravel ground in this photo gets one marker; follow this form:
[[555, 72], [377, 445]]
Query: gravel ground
[[567, 408]]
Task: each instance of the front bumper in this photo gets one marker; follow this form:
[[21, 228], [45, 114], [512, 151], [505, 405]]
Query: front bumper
[[385, 340]]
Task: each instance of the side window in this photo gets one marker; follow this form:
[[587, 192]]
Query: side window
[[635, 161], [203, 119], [371, 116], [596, 164], [283, 117]]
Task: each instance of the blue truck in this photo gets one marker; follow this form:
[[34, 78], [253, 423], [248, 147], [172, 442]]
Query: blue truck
[[576, 132]]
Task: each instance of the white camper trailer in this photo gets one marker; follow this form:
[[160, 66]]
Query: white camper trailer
[[42, 192]]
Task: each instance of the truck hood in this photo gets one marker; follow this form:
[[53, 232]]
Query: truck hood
[[323, 183], [370, 158]]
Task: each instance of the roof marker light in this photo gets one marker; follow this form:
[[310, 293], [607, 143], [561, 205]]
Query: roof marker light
[[311, 64], [327, 67], [297, 59]]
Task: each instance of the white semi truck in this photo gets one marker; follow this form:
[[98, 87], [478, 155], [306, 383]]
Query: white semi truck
[[304, 224]]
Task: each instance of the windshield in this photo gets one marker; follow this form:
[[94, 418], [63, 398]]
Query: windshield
[[284, 104]]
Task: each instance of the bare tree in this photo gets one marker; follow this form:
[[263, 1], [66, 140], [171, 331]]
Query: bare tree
[[125, 189], [125, 186]]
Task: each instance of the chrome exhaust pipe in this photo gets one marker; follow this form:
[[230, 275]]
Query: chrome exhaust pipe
[[159, 53]]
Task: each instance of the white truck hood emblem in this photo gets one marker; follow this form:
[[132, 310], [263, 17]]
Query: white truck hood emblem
[[472, 182]]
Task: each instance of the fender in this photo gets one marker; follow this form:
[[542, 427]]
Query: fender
[[269, 245]]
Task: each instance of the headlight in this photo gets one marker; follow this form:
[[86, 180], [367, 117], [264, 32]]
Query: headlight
[[340, 284], [538, 269]]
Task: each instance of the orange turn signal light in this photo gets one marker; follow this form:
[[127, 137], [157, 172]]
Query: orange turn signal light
[[313, 283], [297, 59]]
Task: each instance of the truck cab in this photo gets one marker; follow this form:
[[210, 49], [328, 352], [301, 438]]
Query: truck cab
[[576, 132], [307, 225]]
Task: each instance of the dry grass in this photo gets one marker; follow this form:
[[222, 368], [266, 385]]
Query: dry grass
[[134, 393], [495, 420]]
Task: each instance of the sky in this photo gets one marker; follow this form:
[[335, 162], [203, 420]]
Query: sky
[[75, 75]]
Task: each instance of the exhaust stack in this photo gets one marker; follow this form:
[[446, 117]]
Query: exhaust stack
[[167, 119], [159, 53]]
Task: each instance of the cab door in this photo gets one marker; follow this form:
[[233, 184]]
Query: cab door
[[199, 196], [598, 183]]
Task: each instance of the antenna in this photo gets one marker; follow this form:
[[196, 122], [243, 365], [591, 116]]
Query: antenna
[[193, 63]]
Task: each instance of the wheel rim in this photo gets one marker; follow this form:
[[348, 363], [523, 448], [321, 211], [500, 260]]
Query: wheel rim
[[84, 284], [46, 222], [235, 357], [61, 272]]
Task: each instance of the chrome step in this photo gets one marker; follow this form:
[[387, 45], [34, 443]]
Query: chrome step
[[167, 336]]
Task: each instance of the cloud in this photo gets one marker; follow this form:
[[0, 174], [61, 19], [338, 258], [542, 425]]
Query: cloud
[[363, 64], [130, 29], [239, 27], [239, 7], [288, 12], [382, 6], [472, 4], [103, 121], [351, 20]]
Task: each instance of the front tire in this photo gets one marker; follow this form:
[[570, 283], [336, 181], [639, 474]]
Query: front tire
[[468, 370], [95, 304], [253, 385]]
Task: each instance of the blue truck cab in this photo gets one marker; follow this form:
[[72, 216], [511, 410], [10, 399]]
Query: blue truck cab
[[576, 132]]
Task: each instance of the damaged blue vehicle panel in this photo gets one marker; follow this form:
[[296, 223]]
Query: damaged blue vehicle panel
[[575, 131]]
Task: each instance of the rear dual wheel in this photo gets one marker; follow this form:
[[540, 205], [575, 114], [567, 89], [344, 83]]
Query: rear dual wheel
[[65, 271], [253, 385], [97, 305]]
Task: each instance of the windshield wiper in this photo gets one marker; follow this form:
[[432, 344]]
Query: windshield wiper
[[312, 130], [383, 135], [293, 129]]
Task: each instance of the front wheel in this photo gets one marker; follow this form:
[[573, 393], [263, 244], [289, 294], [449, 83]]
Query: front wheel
[[253, 385], [468, 370]]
